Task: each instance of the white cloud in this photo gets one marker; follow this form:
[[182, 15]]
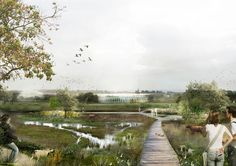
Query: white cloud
[[142, 44]]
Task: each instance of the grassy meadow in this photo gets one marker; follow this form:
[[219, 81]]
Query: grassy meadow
[[37, 106]]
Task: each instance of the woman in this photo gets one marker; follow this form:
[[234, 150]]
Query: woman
[[9, 137], [215, 132]]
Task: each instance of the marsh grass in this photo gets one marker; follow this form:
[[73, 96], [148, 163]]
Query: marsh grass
[[178, 135], [45, 136], [126, 152]]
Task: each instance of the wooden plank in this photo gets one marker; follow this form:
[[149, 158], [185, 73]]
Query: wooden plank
[[157, 150]]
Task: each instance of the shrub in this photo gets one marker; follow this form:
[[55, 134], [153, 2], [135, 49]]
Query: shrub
[[28, 147]]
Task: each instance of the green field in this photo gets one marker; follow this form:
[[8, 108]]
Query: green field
[[121, 107], [133, 107], [24, 106]]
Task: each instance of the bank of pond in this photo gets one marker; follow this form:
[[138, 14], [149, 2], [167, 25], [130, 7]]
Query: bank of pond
[[106, 140]]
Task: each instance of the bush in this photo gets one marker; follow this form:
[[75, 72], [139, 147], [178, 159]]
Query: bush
[[202, 97], [54, 102], [28, 147], [88, 98]]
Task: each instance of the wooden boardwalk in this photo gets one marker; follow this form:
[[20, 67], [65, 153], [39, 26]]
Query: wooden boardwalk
[[157, 150]]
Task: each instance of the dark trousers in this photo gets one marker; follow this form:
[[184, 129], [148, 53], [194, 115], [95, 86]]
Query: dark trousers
[[232, 155]]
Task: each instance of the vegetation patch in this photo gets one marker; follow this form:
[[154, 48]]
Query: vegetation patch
[[24, 106], [189, 147], [122, 107], [45, 136]]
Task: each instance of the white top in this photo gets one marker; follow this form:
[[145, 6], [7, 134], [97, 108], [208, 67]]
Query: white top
[[233, 130], [212, 130]]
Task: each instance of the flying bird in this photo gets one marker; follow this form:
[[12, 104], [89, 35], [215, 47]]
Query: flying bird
[[86, 46], [81, 49], [89, 59], [76, 55]]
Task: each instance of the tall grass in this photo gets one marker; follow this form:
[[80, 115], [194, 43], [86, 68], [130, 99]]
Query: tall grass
[[24, 107], [179, 135]]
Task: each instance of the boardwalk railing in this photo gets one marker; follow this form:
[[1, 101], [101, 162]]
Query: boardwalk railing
[[157, 150]]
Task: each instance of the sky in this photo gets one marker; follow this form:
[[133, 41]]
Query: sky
[[140, 44]]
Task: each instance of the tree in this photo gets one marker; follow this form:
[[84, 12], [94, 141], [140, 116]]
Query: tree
[[4, 95], [178, 99], [88, 98], [66, 100], [47, 97], [150, 98], [54, 102], [8, 96], [22, 38], [200, 97], [231, 95], [14, 96]]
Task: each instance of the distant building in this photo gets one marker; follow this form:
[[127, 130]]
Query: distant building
[[122, 98]]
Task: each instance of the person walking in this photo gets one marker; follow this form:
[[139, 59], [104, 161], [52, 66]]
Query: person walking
[[231, 115], [9, 137]]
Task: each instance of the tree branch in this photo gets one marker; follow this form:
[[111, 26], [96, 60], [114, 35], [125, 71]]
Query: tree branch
[[5, 75]]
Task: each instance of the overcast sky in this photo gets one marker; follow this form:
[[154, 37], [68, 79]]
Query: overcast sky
[[141, 44]]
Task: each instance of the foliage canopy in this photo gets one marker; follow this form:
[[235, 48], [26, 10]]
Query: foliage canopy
[[88, 98], [66, 100], [22, 39], [200, 97]]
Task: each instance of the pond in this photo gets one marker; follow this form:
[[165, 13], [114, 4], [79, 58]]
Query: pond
[[102, 139], [108, 139]]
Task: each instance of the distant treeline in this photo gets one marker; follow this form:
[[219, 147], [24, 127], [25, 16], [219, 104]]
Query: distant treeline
[[7, 96]]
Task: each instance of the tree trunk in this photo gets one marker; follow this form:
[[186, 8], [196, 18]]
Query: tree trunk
[[65, 115]]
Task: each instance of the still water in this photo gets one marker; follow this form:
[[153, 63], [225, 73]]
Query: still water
[[109, 139]]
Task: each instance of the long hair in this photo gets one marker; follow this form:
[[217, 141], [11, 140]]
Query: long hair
[[232, 110], [213, 117]]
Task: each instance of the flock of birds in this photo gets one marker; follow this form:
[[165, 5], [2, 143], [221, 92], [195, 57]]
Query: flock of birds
[[66, 81], [224, 77], [80, 58]]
